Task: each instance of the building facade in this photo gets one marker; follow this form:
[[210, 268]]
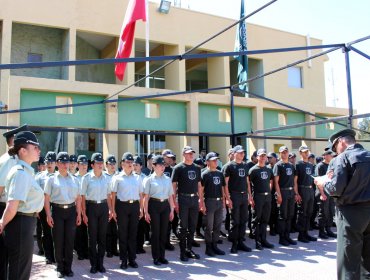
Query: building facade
[[34, 31]]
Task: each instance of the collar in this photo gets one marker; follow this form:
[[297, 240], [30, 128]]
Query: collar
[[27, 167]]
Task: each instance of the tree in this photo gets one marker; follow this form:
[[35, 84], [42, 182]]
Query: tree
[[364, 125]]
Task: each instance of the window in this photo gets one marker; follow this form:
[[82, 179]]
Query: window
[[64, 100], [295, 77], [151, 110], [282, 118], [330, 126], [224, 115], [34, 57], [296, 144]]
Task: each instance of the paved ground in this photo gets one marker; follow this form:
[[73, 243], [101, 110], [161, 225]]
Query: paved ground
[[315, 260]]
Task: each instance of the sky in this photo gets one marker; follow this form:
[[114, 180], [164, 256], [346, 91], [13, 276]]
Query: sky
[[333, 21]]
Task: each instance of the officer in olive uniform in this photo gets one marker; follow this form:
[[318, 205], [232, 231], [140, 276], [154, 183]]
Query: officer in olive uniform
[[303, 181], [350, 186], [259, 188], [128, 188], [47, 239], [96, 210], [158, 208], [213, 188], [236, 173], [186, 177], [62, 193]]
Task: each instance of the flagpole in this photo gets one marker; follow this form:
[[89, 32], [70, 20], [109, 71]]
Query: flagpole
[[147, 70]]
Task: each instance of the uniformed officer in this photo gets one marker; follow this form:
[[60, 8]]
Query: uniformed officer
[[72, 164], [350, 187], [112, 235], [62, 193], [81, 238], [303, 181], [252, 162], [186, 179], [285, 197], [6, 163], [41, 166], [148, 169], [47, 239], [96, 210], [230, 156], [236, 173], [128, 188], [213, 188], [158, 208], [24, 200], [272, 160], [260, 180]]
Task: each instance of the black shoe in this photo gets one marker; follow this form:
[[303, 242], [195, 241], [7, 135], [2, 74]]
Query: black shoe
[[69, 273], [156, 262], [251, 236], [267, 244], [183, 257], [191, 255], [48, 261], [195, 244], [169, 247], [60, 274], [109, 255], [133, 264], [93, 270], [291, 241], [323, 235], [234, 248], [209, 250], [310, 238], [217, 250], [147, 243], [330, 233], [123, 265], [223, 234], [283, 241], [163, 260], [259, 246], [140, 251], [101, 269], [303, 238], [243, 247], [115, 253], [199, 235], [40, 253]]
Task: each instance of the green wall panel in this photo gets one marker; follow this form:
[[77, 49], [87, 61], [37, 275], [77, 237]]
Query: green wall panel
[[92, 116], [323, 131], [271, 119], [209, 119], [172, 116]]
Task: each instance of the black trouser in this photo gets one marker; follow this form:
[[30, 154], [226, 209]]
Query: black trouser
[[315, 208], [39, 235], [274, 212], [212, 220], [142, 229], [353, 246], [3, 251], [97, 214], [200, 224], [18, 238], [159, 215], [325, 216], [239, 215], [47, 238], [305, 209], [63, 234], [286, 212], [188, 217], [127, 220], [227, 219], [81, 241], [112, 237], [261, 215], [175, 223]]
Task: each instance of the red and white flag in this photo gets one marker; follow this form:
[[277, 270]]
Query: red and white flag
[[136, 10]]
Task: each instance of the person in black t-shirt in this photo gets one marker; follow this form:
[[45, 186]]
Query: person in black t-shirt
[[303, 181], [186, 179], [259, 189], [236, 173]]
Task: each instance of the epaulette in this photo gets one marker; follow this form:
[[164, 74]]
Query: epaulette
[[20, 167]]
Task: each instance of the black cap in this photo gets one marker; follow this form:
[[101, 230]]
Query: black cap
[[261, 152], [25, 137], [41, 161], [292, 155], [238, 149], [97, 157], [303, 148], [329, 146], [158, 160], [51, 156], [211, 156], [168, 153], [327, 152], [111, 159], [127, 156], [82, 159], [283, 148], [199, 161], [14, 131], [73, 158], [272, 155], [151, 156], [311, 156], [341, 133], [187, 150], [137, 160], [63, 157]]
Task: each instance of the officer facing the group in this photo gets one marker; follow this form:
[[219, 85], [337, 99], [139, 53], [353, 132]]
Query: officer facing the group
[[96, 210], [62, 192], [350, 186], [25, 200], [186, 184], [259, 189], [158, 208], [128, 188], [213, 188]]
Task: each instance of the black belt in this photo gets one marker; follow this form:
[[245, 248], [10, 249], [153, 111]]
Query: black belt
[[96, 201], [158, 199], [189, 194], [130, 201], [27, 214], [64, 206], [263, 193], [239, 192], [287, 189], [213, 198], [305, 187]]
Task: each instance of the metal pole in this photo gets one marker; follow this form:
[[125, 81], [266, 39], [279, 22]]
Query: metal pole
[[233, 140], [147, 66], [349, 86]]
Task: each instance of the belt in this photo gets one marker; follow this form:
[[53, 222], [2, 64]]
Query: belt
[[189, 194], [286, 189], [96, 201], [305, 187], [214, 198], [27, 214], [238, 191], [64, 206], [130, 201], [158, 199], [263, 193]]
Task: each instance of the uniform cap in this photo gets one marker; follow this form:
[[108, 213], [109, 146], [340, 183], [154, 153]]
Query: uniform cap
[[51, 156], [127, 156], [151, 156], [238, 149], [311, 156], [138, 160], [230, 151], [272, 155], [73, 158], [292, 155], [25, 137], [158, 159], [199, 161], [41, 161], [14, 131], [187, 150], [111, 159], [303, 149], [283, 148], [211, 156], [341, 133], [167, 153], [82, 159], [97, 157], [328, 152], [63, 157], [261, 152]]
